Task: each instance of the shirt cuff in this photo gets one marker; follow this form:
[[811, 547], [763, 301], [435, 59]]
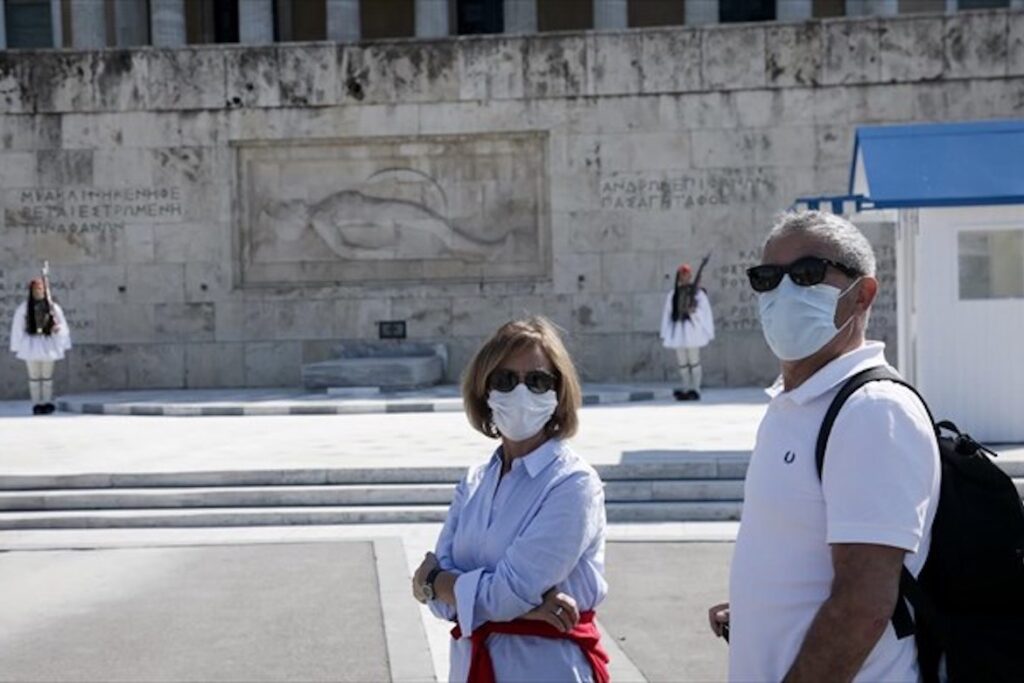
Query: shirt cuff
[[875, 535], [441, 610], [465, 599]]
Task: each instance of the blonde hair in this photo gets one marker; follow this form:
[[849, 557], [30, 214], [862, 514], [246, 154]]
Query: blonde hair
[[511, 338]]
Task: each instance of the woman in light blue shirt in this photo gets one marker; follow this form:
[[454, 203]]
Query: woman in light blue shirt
[[520, 560]]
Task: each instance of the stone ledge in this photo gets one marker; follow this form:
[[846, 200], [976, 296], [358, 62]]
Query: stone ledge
[[311, 75], [441, 399]]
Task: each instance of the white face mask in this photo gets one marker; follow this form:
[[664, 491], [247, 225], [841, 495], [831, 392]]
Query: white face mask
[[799, 321], [520, 413]]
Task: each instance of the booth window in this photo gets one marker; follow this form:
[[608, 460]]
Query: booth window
[[991, 264]]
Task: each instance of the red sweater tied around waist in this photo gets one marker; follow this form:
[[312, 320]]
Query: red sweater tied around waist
[[585, 635]]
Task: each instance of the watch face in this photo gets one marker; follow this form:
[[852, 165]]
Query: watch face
[[428, 590]]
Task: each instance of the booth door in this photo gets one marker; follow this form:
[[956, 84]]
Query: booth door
[[970, 318]]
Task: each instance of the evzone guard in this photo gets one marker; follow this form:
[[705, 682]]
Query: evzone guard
[[40, 336], [687, 325]]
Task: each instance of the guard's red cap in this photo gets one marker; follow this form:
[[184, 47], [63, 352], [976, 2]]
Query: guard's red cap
[[684, 269], [36, 281]]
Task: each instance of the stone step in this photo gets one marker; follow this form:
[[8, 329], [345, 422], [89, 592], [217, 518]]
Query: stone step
[[338, 495], [731, 467], [288, 516]]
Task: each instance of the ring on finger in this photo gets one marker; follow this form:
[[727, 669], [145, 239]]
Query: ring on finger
[[558, 611]]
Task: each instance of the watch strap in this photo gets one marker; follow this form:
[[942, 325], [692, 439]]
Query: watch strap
[[431, 577]]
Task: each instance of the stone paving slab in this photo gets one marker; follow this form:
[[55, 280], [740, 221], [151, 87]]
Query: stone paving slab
[[656, 609], [695, 435], [241, 402], [224, 613]]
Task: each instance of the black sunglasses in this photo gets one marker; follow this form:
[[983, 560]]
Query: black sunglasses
[[805, 271], [537, 381]]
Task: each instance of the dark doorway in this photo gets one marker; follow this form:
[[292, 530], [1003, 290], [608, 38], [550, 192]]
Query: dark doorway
[[29, 23], [736, 11], [565, 15], [480, 16], [656, 13], [387, 18], [982, 4], [225, 21]]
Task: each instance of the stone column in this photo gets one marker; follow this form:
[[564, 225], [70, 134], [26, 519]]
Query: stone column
[[701, 11], [56, 23], [255, 21], [88, 25], [130, 23], [878, 8], [520, 16], [611, 14], [343, 21], [793, 10], [431, 18], [167, 22]]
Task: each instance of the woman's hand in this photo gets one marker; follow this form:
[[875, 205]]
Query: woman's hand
[[718, 617], [420, 577], [558, 609]]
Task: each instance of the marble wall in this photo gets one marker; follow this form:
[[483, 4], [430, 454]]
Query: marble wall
[[216, 216]]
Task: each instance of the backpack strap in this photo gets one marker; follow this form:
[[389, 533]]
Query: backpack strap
[[902, 622]]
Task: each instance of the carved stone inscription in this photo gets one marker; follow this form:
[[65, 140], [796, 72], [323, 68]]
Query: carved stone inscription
[[423, 208], [681, 190], [89, 210]]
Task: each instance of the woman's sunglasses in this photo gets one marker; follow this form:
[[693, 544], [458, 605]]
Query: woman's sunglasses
[[537, 381], [806, 271]]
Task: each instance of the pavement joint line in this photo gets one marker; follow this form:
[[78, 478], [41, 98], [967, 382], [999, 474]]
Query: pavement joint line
[[409, 656]]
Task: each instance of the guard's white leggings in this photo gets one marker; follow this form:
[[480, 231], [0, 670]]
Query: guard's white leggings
[[40, 380], [689, 367]]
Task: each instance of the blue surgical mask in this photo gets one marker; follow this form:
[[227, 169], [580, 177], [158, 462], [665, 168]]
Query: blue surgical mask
[[799, 321]]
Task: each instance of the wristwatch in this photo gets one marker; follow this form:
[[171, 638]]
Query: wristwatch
[[428, 583]]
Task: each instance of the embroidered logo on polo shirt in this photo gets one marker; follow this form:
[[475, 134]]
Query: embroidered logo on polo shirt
[[789, 457]]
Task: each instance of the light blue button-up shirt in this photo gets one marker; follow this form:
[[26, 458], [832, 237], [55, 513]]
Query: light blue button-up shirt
[[512, 538]]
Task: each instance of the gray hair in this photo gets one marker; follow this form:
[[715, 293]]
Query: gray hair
[[844, 242]]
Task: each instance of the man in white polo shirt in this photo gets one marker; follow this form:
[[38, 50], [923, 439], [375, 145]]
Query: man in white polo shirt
[[816, 570]]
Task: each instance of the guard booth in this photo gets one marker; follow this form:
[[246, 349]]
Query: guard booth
[[955, 192]]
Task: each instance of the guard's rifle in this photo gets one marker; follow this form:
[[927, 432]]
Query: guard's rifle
[[46, 283], [700, 271], [52, 322], [689, 291]]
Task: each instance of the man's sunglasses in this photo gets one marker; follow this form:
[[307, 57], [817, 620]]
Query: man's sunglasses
[[537, 381], [806, 271]]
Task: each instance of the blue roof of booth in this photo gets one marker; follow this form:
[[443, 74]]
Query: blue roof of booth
[[939, 164]]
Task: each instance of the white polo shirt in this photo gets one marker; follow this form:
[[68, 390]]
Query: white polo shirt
[[880, 486]]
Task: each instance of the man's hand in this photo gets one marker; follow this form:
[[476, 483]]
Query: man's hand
[[558, 609], [718, 617], [420, 577]]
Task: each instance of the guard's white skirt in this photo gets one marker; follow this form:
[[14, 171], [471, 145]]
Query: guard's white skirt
[[36, 346], [696, 332]]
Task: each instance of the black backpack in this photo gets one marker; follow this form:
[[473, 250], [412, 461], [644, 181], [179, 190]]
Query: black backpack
[[968, 599]]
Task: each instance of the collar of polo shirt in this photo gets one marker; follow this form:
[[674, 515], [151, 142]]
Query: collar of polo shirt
[[870, 354]]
